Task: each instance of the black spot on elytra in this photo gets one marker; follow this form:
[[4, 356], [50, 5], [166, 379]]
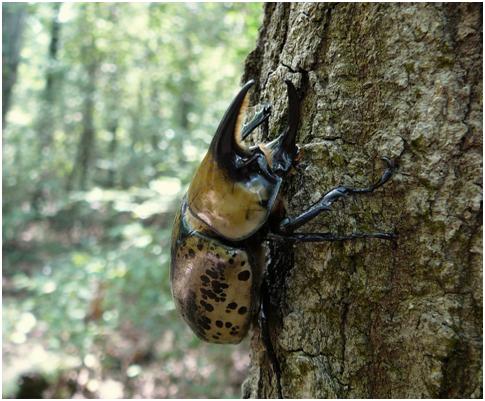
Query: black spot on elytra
[[209, 293], [231, 261], [193, 315], [242, 310], [228, 324], [219, 323], [191, 253], [208, 307], [219, 333], [205, 322], [244, 275], [232, 305], [217, 287], [212, 273], [200, 246], [243, 263], [204, 278], [217, 256], [206, 319]]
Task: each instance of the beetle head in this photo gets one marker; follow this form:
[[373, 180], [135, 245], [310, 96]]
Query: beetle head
[[235, 157], [235, 187]]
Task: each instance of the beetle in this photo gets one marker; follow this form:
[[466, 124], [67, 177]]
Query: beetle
[[232, 206]]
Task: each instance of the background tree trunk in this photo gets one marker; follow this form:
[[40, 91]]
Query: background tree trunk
[[46, 123], [13, 18], [91, 59], [369, 318]]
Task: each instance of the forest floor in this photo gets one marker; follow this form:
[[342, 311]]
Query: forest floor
[[87, 313]]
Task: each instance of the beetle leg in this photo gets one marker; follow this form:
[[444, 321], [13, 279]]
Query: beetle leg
[[320, 237], [290, 224], [259, 118]]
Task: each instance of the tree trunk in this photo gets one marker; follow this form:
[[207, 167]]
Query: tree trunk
[[91, 60], [46, 117], [85, 147], [370, 318], [13, 18], [46, 120], [87, 141]]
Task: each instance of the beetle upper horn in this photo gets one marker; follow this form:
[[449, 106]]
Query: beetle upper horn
[[226, 142]]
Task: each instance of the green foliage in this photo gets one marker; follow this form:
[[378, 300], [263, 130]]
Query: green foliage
[[106, 125]]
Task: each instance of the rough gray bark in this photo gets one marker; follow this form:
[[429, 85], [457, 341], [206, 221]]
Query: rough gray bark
[[369, 318]]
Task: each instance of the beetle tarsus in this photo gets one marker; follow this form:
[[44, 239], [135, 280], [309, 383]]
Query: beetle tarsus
[[388, 172], [289, 224]]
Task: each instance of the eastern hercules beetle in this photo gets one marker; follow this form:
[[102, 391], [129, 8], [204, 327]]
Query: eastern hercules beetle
[[232, 207]]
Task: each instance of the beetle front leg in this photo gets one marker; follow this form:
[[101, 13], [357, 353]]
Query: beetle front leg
[[320, 237], [259, 118], [290, 224]]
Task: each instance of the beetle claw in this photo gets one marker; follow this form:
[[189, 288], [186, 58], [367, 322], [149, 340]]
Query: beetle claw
[[390, 163], [391, 166]]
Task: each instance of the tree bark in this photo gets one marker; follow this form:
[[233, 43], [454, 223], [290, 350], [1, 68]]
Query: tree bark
[[370, 318]]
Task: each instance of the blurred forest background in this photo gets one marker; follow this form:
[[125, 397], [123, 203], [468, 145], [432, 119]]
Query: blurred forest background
[[107, 109]]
